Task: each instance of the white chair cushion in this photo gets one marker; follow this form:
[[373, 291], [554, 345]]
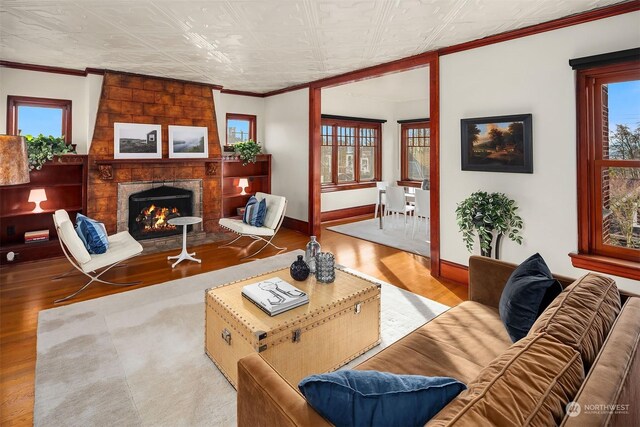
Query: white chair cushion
[[68, 235], [275, 208], [241, 228], [121, 247]]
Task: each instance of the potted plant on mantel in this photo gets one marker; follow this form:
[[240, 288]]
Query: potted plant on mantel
[[247, 151], [485, 214], [41, 149]]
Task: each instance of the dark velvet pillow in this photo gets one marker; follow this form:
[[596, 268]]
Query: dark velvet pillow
[[529, 290]]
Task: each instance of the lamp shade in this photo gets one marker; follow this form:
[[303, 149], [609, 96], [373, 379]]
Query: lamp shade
[[37, 195], [14, 163], [244, 182]]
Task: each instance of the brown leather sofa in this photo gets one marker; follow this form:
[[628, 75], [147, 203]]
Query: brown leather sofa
[[584, 348]]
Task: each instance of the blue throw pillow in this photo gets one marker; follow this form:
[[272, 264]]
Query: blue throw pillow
[[250, 210], [371, 398], [255, 212], [93, 234], [261, 213], [529, 290]]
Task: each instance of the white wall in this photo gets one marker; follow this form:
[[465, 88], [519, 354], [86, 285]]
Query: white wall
[[229, 103], [378, 98], [527, 75], [84, 93], [287, 139]]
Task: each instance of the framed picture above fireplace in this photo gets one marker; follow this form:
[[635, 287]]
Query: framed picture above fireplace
[[188, 142], [137, 141], [497, 144]]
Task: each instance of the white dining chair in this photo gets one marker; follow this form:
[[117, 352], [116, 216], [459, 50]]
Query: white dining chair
[[380, 185], [397, 203], [422, 210]]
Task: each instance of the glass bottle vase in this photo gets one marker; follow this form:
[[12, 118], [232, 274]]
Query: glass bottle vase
[[313, 249]]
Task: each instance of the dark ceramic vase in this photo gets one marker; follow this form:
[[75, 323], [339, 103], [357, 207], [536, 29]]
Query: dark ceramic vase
[[299, 269]]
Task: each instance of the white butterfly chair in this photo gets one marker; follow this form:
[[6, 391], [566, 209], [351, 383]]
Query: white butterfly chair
[[276, 208], [422, 209], [380, 185], [121, 247], [397, 203]]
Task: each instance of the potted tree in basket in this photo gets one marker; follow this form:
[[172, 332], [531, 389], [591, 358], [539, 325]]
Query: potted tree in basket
[[247, 151], [486, 214]]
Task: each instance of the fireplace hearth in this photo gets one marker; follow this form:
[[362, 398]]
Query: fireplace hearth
[[150, 211]]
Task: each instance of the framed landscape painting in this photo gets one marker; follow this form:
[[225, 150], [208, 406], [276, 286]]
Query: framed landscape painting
[[137, 141], [188, 142], [497, 144]]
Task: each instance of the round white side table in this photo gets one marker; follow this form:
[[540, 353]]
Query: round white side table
[[184, 221]]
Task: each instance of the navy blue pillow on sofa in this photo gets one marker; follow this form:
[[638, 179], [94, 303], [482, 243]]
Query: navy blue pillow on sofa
[[529, 290], [372, 398]]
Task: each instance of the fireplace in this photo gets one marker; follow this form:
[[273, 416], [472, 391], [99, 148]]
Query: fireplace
[[150, 211]]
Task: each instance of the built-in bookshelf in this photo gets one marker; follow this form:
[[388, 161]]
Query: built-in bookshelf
[[258, 176], [64, 182]]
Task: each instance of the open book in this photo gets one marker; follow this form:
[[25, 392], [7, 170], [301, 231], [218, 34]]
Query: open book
[[274, 296]]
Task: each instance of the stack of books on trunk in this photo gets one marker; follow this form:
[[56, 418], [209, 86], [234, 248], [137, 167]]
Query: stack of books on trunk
[[36, 236], [275, 296]]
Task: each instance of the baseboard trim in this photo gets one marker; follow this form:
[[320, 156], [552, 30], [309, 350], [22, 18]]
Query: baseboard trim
[[347, 212], [454, 272], [296, 225]]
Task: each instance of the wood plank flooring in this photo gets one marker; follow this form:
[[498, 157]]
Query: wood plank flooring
[[26, 289]]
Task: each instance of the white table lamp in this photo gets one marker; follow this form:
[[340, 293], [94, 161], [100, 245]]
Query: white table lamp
[[243, 183], [37, 196]]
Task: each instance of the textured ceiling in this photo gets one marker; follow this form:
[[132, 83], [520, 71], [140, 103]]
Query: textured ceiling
[[258, 45]]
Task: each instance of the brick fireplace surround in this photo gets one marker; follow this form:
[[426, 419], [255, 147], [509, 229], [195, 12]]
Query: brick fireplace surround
[[136, 99]]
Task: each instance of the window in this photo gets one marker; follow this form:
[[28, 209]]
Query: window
[[350, 154], [609, 169], [415, 145], [240, 128], [34, 116]]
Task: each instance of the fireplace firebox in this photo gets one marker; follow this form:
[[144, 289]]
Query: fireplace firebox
[[150, 211]]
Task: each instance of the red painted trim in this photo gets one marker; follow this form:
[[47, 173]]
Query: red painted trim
[[251, 118], [242, 93], [296, 225], [43, 68], [567, 21], [434, 164], [287, 89], [97, 71], [330, 188], [347, 212], [13, 102], [617, 267], [454, 272], [314, 162]]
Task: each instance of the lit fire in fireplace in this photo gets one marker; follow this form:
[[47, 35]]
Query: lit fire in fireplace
[[156, 218]]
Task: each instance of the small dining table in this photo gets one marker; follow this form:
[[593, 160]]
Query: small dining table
[[409, 194]]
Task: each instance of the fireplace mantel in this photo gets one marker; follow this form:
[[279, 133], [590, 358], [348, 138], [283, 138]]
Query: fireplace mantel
[[105, 166]]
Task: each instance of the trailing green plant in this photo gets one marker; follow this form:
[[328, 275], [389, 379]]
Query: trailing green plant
[[42, 148], [247, 151], [484, 214]]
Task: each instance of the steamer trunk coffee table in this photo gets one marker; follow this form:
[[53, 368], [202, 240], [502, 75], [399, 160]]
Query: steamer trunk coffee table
[[341, 322]]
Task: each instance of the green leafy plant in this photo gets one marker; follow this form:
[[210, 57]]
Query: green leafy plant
[[247, 151], [485, 213], [42, 148]]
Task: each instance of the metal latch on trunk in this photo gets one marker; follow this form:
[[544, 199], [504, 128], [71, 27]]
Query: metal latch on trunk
[[357, 307], [295, 337], [226, 336]]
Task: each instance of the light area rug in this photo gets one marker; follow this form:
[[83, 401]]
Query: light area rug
[[393, 233], [137, 358]]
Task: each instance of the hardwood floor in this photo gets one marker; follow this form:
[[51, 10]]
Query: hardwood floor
[[26, 289]]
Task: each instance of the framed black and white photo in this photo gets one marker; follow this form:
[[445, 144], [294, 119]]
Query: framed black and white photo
[[188, 142], [137, 141], [497, 144]]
